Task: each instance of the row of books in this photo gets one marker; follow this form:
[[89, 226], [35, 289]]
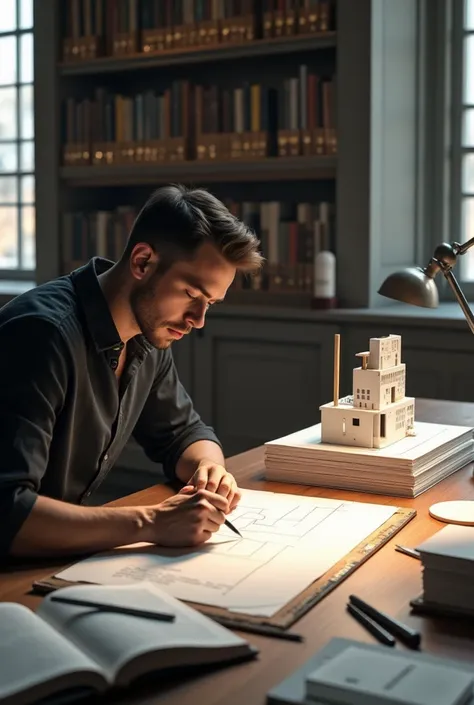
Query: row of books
[[93, 28], [198, 114], [291, 235]]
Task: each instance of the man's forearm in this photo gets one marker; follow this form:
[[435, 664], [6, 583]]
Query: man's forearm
[[56, 528], [194, 454]]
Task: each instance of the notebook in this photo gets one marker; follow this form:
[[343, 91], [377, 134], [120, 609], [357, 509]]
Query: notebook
[[348, 672], [64, 652]]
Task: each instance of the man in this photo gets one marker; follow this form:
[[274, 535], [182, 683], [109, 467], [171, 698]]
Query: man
[[85, 362]]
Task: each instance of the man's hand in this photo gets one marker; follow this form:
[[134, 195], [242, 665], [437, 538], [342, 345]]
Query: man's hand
[[186, 519], [214, 477]]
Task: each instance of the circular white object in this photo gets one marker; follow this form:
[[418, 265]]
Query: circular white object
[[455, 512]]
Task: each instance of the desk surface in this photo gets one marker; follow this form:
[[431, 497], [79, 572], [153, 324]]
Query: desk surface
[[388, 579]]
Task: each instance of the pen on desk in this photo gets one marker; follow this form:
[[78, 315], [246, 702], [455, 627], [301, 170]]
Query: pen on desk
[[232, 528], [383, 636], [408, 551], [149, 614], [410, 636]]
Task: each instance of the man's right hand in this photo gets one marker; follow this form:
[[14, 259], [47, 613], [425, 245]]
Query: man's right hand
[[186, 519]]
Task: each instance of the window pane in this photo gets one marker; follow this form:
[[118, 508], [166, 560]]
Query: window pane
[[26, 112], [8, 189], [8, 157], [8, 237], [7, 60], [27, 156], [8, 104], [28, 237], [469, 70], [8, 16], [467, 262], [28, 189], [26, 58], [469, 19], [468, 129], [26, 14], [468, 173]]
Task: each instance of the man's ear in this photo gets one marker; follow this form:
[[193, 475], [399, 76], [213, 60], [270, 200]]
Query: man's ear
[[143, 260]]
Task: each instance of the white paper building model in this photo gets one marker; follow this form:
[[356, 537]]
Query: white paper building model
[[377, 413]]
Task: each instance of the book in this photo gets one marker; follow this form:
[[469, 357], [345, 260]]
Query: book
[[447, 560], [348, 672], [65, 652]]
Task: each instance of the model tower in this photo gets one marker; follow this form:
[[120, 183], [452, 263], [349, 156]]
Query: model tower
[[377, 413]]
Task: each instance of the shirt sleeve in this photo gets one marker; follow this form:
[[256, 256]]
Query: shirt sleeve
[[33, 378], [169, 422]]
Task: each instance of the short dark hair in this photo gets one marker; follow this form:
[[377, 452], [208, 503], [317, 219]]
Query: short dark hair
[[177, 220]]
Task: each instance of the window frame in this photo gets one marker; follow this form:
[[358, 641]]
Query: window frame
[[20, 273], [446, 195]]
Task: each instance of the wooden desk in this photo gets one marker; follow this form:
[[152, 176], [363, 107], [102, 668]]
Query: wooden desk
[[388, 580]]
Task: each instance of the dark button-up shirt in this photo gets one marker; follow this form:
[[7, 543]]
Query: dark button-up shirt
[[64, 415]]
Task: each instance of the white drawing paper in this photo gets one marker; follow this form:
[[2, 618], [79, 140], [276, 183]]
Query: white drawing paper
[[288, 542]]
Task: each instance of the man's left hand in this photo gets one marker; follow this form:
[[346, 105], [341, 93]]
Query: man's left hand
[[214, 477]]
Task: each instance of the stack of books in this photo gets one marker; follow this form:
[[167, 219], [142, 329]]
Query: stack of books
[[447, 559], [405, 468]]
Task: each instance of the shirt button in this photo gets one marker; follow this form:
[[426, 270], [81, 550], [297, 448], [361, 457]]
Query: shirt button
[[106, 457], [114, 364]]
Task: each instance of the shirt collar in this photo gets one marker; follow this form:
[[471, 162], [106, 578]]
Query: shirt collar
[[94, 305]]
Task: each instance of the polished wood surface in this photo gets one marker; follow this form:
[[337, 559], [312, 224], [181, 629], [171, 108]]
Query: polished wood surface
[[388, 580]]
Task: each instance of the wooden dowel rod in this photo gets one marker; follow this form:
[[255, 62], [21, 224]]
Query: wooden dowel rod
[[337, 357]]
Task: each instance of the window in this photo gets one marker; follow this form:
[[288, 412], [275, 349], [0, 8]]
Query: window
[[17, 182], [461, 220]]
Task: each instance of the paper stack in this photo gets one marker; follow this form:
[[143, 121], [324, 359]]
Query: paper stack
[[405, 468], [448, 569]]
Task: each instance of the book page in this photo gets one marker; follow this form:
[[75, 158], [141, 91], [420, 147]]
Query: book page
[[114, 639], [288, 542], [32, 654]]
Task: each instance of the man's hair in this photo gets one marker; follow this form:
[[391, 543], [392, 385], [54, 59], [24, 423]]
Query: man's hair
[[176, 221]]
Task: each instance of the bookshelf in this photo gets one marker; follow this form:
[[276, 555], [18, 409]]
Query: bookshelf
[[262, 102]]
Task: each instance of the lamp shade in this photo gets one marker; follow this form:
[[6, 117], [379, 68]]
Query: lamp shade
[[412, 286]]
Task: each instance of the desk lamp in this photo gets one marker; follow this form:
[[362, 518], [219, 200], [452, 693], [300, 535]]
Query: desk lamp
[[416, 286]]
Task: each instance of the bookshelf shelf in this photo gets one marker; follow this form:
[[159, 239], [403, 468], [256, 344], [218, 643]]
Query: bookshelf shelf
[[199, 55], [270, 169]]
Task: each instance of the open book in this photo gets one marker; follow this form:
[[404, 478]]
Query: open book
[[66, 651]]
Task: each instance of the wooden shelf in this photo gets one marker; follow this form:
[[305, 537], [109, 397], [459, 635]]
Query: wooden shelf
[[197, 55], [269, 169]]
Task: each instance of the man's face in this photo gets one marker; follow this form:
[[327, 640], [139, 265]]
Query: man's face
[[168, 306]]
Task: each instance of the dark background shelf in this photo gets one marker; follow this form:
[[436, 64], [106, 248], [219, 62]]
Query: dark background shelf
[[179, 57], [271, 169]]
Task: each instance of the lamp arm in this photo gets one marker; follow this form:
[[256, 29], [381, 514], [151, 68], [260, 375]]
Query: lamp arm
[[461, 299], [461, 249]]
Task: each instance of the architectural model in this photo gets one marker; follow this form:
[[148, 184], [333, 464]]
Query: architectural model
[[377, 413]]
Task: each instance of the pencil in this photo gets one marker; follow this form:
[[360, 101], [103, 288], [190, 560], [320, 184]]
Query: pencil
[[408, 551], [232, 528], [161, 616]]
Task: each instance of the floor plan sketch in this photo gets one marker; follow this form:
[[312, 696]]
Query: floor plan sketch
[[288, 542]]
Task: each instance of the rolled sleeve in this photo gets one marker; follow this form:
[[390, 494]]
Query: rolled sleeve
[[33, 380], [169, 423]]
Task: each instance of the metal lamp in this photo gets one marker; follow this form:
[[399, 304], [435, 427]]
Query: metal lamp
[[416, 286]]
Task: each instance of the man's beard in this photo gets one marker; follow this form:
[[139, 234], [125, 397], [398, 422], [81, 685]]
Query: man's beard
[[152, 329]]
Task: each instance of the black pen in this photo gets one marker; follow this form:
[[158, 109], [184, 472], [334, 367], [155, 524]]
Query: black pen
[[376, 630], [411, 637], [119, 609], [232, 528]]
